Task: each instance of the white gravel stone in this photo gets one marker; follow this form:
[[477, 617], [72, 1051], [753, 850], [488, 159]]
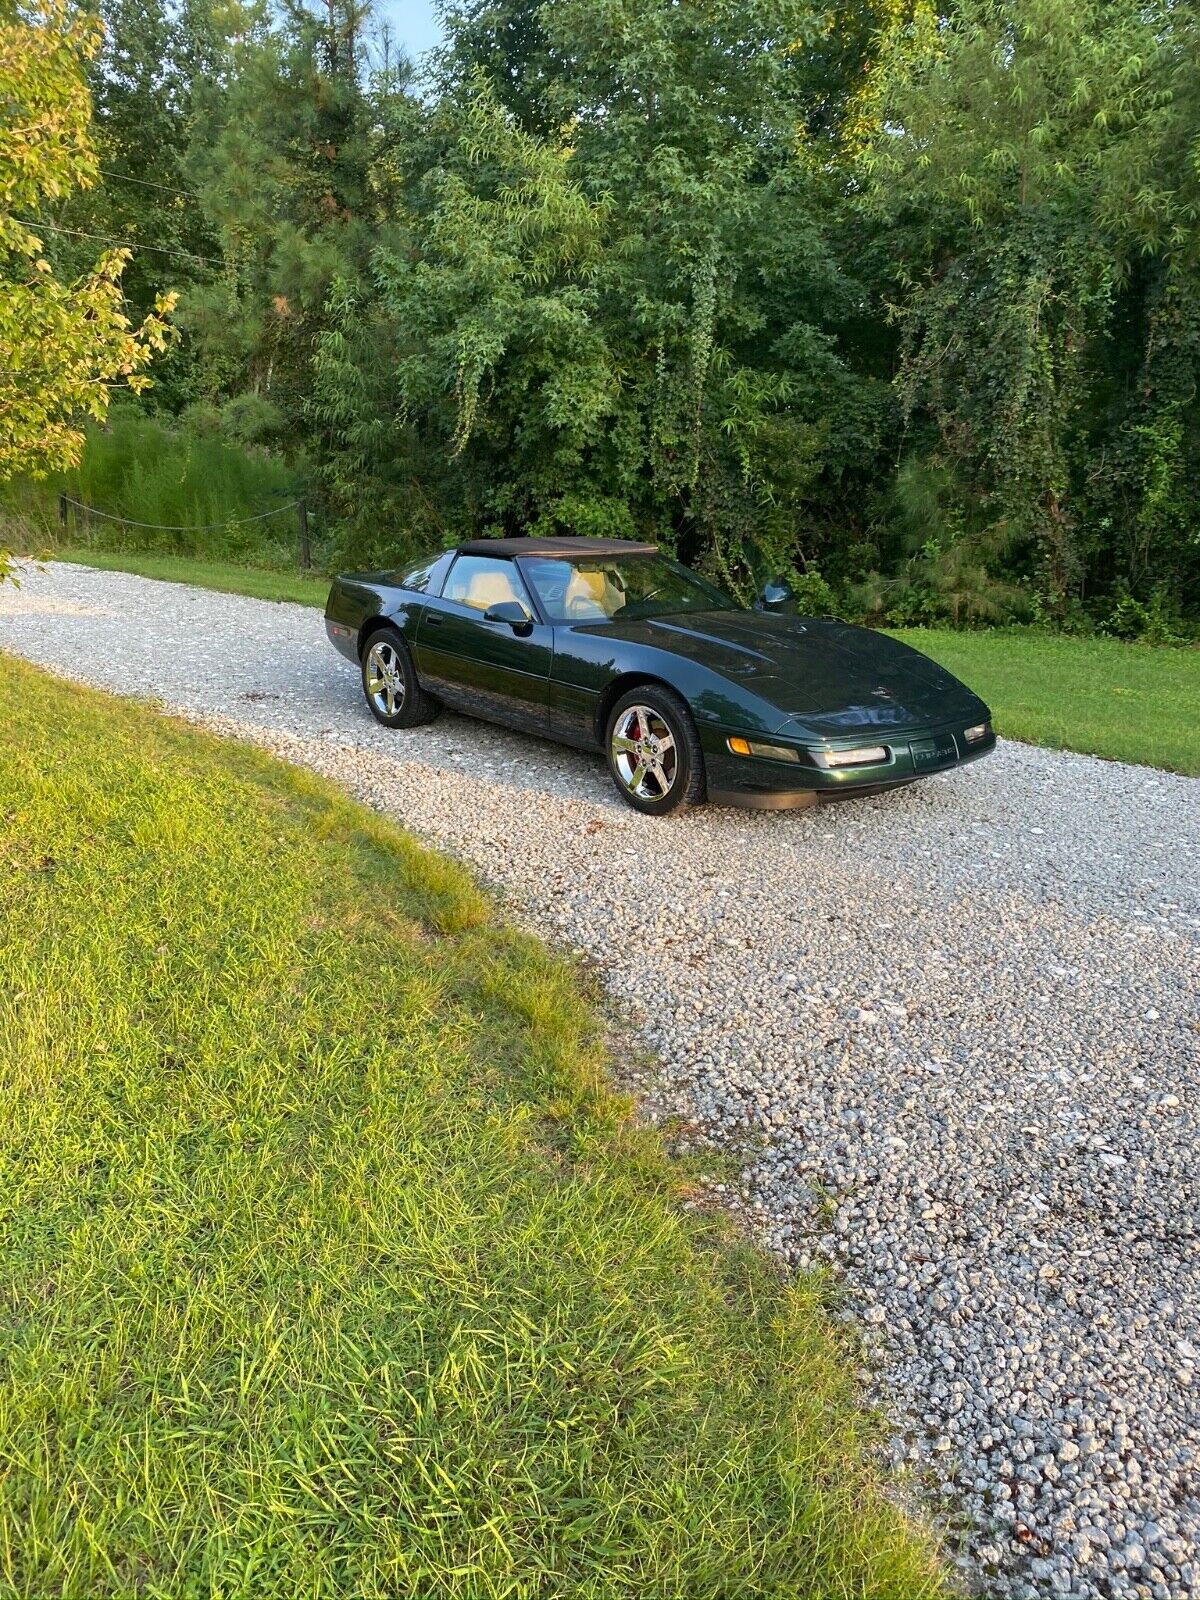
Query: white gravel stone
[[952, 1032]]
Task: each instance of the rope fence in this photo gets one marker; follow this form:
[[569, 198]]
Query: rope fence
[[300, 506]]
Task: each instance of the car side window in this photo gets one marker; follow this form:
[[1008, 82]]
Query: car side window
[[427, 578], [483, 581]]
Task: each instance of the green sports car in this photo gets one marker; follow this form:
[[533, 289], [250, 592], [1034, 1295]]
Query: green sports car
[[609, 645]]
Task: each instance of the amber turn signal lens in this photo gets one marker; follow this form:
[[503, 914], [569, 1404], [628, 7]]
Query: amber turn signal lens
[[740, 747]]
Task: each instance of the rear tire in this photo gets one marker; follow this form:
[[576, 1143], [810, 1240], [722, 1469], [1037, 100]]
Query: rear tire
[[653, 750], [390, 685]]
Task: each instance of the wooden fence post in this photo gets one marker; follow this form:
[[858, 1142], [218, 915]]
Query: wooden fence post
[[62, 510], [305, 549]]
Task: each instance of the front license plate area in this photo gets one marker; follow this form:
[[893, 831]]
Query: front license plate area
[[928, 754]]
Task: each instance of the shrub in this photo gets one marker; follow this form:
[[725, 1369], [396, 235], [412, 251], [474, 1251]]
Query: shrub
[[1153, 621], [190, 484]]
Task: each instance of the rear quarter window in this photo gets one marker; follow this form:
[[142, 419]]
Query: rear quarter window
[[429, 576]]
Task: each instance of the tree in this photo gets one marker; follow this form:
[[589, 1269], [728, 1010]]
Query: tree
[[612, 303], [894, 297], [280, 155], [63, 345], [1031, 168], [156, 58]]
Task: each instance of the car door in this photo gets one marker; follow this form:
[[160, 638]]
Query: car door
[[484, 667]]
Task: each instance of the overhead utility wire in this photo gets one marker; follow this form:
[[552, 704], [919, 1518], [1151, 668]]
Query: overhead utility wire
[[145, 183], [121, 244]]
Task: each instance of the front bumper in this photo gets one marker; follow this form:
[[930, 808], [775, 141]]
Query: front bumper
[[764, 784]]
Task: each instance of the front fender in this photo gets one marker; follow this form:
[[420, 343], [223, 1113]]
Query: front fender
[[590, 668]]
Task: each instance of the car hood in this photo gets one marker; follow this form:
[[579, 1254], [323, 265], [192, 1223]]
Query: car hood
[[825, 676]]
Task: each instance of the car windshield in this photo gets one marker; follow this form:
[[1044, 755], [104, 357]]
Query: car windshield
[[605, 587]]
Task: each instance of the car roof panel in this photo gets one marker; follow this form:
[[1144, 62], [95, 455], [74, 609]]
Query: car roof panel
[[577, 549]]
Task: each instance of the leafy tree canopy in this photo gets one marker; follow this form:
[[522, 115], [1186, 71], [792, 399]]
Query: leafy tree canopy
[[63, 343], [899, 299]]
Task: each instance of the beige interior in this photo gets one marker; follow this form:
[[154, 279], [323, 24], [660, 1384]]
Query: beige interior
[[489, 588], [589, 593]]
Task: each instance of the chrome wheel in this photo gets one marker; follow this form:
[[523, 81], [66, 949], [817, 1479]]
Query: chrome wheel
[[643, 753], [384, 677]]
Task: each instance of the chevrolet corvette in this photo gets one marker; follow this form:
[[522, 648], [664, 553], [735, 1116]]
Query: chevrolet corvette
[[610, 645]]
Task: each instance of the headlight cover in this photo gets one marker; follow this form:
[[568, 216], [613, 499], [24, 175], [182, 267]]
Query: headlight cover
[[866, 756], [979, 731]]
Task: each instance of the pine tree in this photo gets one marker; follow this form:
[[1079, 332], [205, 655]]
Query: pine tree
[[281, 157]]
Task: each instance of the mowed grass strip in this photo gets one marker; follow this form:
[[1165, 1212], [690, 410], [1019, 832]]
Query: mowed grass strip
[[329, 1266], [227, 577], [1102, 697]]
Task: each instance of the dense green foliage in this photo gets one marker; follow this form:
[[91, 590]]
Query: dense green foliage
[[901, 300], [65, 340], [331, 1267], [186, 476]]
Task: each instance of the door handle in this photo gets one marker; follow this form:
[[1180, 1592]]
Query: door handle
[[432, 619]]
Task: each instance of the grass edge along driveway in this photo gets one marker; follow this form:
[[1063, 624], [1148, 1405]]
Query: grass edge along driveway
[[330, 1265], [1098, 696], [1126, 702]]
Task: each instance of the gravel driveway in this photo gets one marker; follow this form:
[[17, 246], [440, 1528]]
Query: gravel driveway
[[954, 1031]]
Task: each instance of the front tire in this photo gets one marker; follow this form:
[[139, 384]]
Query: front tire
[[653, 751], [390, 685]]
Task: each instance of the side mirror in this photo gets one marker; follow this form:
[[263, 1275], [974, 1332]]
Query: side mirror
[[776, 596], [512, 612]]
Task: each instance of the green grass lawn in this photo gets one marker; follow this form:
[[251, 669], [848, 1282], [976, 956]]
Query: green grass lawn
[[302, 587], [1129, 702], [329, 1266]]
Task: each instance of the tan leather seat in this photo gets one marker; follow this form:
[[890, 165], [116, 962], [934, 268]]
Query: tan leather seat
[[589, 594], [489, 589]]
